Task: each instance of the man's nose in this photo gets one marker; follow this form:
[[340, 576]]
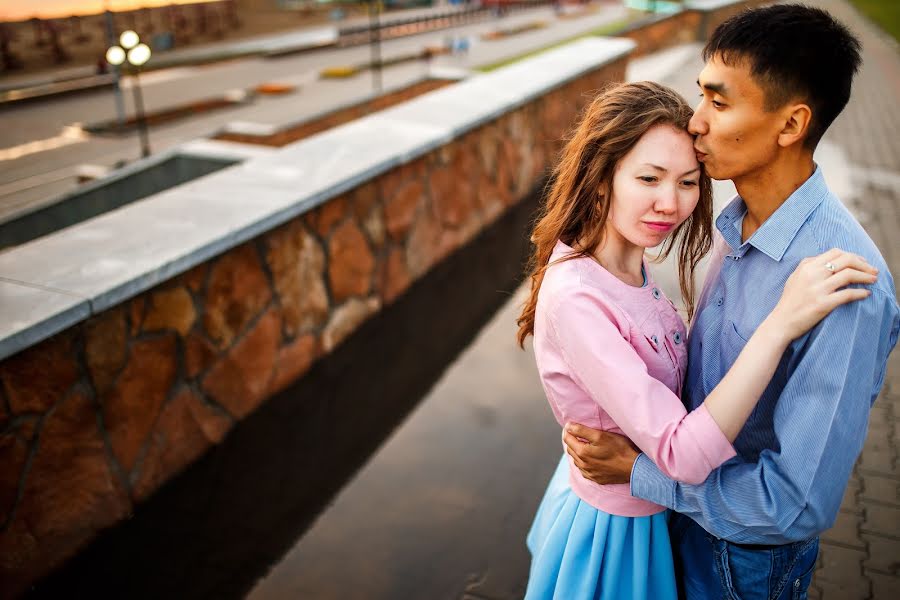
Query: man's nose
[[697, 125]]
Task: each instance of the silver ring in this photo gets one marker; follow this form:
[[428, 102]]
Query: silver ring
[[830, 266]]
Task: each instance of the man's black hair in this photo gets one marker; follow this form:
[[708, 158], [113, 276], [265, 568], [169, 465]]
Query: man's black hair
[[794, 52]]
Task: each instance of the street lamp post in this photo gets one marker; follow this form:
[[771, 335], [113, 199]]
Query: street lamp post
[[375, 42], [131, 49]]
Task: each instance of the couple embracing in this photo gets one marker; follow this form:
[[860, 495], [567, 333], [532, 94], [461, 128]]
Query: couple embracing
[[710, 478]]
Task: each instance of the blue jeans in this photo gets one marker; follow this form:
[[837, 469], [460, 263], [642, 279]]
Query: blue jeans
[[709, 568]]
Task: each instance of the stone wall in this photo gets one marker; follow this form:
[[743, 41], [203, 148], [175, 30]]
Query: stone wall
[[658, 33], [692, 24], [98, 416]]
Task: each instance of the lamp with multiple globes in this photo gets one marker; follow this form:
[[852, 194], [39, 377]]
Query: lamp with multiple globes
[[136, 54]]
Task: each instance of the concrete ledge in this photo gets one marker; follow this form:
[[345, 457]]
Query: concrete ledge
[[112, 257]]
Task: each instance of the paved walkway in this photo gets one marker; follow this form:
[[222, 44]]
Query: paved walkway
[[860, 556]]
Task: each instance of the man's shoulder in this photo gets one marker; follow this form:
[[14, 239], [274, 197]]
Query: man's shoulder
[[832, 225]]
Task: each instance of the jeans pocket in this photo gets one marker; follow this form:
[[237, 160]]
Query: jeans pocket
[[800, 584], [746, 573]]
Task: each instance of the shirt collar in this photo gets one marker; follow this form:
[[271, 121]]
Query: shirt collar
[[779, 230]]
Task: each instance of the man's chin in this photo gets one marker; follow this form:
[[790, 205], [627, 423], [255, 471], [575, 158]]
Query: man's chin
[[714, 172]]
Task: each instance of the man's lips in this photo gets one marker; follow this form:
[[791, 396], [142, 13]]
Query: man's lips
[[700, 155], [659, 225]]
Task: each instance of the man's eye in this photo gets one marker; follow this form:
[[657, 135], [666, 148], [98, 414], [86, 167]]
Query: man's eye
[[717, 104]]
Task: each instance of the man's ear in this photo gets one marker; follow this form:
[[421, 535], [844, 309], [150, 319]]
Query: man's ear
[[796, 124]]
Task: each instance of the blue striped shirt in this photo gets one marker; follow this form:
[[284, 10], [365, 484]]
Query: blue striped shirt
[[796, 452]]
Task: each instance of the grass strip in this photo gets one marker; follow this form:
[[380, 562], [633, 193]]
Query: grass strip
[[885, 14], [604, 30]]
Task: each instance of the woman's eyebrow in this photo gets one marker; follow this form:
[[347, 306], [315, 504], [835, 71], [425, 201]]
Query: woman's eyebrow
[[665, 170]]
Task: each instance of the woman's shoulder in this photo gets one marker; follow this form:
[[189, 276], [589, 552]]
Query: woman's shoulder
[[565, 294]]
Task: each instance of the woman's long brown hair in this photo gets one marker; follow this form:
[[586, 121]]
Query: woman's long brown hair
[[581, 184]]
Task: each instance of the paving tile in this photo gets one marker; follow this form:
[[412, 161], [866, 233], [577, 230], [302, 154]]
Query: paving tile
[[884, 587], [881, 519], [858, 590], [845, 531], [882, 554], [840, 565], [881, 489]]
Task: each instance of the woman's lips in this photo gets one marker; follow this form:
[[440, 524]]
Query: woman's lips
[[659, 226]]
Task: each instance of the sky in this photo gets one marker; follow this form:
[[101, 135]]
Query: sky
[[17, 10]]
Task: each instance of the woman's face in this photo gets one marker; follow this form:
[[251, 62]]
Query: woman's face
[[655, 187]]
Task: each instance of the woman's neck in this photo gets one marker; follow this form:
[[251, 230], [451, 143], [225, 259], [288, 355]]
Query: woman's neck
[[621, 258]]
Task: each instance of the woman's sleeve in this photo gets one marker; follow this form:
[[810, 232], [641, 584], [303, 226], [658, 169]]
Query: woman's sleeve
[[592, 335]]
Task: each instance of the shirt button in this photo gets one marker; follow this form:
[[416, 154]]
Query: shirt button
[[677, 337], [720, 301], [656, 294], [655, 339]]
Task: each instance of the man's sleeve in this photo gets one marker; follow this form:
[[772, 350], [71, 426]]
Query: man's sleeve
[[794, 491]]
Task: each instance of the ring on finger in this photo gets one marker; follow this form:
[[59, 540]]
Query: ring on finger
[[830, 266]]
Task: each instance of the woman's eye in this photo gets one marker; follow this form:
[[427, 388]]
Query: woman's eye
[[647, 179], [689, 183]]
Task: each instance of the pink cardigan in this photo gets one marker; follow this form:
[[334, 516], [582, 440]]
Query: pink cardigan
[[613, 356]]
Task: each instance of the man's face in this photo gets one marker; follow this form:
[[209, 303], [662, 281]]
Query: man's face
[[734, 133]]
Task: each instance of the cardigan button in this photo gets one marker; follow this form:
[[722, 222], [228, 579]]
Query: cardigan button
[[656, 293]]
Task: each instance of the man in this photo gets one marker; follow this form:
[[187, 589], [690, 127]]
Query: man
[[775, 78]]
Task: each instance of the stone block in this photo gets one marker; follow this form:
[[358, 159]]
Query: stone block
[[40, 376], [195, 279], [423, 247], [131, 406], [293, 360], [297, 263], [400, 209], [394, 279], [106, 339], [452, 195], [185, 429], [70, 492], [171, 308], [199, 354], [13, 454], [236, 293], [350, 263], [327, 216], [346, 319], [239, 380]]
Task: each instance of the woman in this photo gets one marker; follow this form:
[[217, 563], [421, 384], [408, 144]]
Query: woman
[[610, 348]]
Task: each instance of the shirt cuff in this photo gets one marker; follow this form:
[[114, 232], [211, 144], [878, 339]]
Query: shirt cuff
[[715, 446], [649, 483]]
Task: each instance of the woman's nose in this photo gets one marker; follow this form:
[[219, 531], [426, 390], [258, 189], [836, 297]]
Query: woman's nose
[[666, 202]]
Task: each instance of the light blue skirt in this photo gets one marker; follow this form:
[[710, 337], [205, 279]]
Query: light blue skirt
[[579, 552]]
